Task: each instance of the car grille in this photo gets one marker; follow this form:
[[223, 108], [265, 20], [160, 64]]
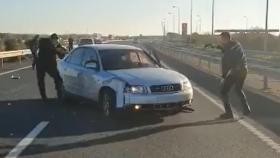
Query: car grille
[[166, 88], [167, 106]]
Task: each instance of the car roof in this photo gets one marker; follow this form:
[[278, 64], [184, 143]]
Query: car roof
[[110, 46]]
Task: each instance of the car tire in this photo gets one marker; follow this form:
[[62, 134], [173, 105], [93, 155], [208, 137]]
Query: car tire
[[108, 103]]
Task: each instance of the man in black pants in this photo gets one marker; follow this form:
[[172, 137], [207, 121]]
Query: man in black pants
[[70, 44], [234, 72], [49, 49]]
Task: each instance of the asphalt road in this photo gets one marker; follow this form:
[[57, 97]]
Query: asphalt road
[[79, 130]]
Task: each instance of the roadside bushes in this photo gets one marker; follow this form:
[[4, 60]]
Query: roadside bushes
[[2, 47], [14, 44]]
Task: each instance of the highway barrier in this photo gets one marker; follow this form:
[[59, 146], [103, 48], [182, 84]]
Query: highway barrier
[[11, 54], [212, 64]]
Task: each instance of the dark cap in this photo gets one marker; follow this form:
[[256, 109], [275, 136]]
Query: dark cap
[[225, 34], [54, 36]]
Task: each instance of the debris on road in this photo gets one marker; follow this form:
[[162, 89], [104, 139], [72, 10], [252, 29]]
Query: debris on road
[[15, 77]]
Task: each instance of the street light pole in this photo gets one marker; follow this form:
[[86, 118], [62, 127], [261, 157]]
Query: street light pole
[[191, 21], [167, 27], [199, 23], [174, 23], [163, 23], [213, 15], [265, 86], [179, 19], [169, 13], [246, 23]]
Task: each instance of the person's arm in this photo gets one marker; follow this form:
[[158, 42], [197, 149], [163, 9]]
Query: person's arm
[[60, 51], [34, 50]]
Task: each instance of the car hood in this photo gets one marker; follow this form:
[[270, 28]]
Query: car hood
[[149, 76]]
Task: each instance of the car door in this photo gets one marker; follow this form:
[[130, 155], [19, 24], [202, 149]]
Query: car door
[[73, 71], [90, 75]]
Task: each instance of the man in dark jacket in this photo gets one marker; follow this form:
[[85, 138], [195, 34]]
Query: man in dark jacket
[[70, 44], [49, 49], [34, 44], [234, 72]]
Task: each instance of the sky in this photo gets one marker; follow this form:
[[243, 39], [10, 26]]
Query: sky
[[130, 17]]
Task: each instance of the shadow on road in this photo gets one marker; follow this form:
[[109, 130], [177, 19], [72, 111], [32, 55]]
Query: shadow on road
[[130, 135], [19, 117]]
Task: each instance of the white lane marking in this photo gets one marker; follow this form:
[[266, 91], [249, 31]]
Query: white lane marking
[[261, 135], [209, 98], [17, 150], [11, 71], [264, 138]]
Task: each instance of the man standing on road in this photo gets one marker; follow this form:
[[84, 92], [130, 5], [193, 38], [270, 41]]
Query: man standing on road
[[234, 72], [49, 49], [34, 44], [70, 44]]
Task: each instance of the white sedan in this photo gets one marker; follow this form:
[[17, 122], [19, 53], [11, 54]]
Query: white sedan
[[123, 78]]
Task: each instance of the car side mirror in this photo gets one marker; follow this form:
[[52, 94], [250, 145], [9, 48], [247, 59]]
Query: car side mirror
[[91, 65]]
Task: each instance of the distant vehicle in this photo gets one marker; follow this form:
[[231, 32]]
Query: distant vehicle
[[85, 41], [123, 78], [97, 41]]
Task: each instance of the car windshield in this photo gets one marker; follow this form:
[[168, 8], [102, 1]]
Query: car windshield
[[125, 59]]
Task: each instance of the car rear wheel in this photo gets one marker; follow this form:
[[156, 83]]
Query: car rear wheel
[[108, 102]]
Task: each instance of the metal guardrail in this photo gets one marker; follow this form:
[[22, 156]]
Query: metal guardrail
[[16, 53], [248, 51], [212, 62]]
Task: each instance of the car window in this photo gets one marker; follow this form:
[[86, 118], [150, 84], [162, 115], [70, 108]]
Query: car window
[[89, 55], [134, 57], [145, 59], [125, 59], [76, 57]]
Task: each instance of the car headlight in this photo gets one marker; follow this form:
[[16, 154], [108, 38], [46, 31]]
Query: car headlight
[[186, 85], [136, 89]]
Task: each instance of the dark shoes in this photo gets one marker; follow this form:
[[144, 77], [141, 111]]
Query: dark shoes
[[226, 116], [187, 109], [45, 100], [230, 115], [59, 94]]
